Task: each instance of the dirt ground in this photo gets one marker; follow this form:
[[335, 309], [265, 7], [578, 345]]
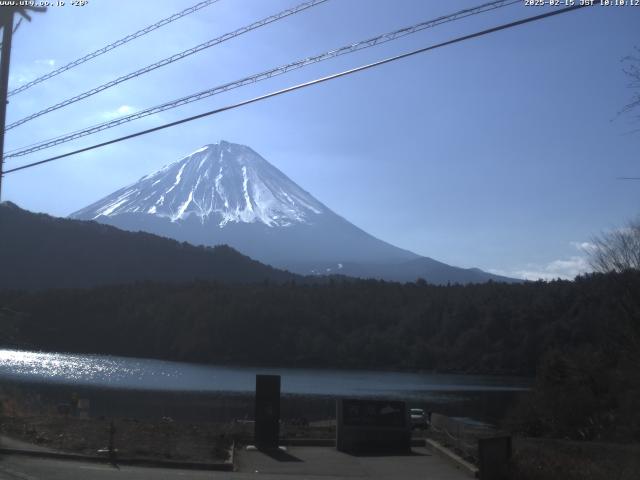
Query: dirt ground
[[195, 426], [166, 439]]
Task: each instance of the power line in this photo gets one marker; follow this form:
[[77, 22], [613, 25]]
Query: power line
[[7, 16], [42, 142], [353, 47], [304, 85], [170, 60], [113, 45]]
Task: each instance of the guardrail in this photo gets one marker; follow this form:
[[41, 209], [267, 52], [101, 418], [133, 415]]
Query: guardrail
[[483, 446], [458, 435]]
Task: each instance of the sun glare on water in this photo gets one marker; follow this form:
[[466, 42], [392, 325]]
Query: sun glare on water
[[62, 367]]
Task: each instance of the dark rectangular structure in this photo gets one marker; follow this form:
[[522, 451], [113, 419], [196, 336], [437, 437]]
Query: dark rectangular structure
[[267, 426], [372, 425], [494, 454]]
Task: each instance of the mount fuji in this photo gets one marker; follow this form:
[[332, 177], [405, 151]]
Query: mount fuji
[[225, 193]]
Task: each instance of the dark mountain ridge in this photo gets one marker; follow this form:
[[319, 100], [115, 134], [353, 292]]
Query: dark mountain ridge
[[40, 251]]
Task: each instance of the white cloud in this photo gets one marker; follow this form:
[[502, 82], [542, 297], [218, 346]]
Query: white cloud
[[584, 247], [23, 73], [118, 112], [568, 267], [49, 62], [564, 268]]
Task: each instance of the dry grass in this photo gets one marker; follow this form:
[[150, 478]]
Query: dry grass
[[132, 438], [568, 460]]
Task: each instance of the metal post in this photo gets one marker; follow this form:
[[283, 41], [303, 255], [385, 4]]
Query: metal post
[[7, 34], [112, 447]]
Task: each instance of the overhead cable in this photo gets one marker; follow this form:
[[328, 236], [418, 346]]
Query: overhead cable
[[111, 46], [168, 60], [304, 85], [350, 48]]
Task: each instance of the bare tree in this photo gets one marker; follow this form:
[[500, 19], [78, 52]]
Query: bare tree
[[631, 69], [618, 250]]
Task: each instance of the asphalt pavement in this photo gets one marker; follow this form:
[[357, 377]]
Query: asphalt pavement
[[17, 467], [296, 463]]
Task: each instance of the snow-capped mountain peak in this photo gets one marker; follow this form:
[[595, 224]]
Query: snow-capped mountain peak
[[226, 193], [222, 183]]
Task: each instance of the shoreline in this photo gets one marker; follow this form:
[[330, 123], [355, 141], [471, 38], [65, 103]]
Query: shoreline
[[453, 372], [485, 406]]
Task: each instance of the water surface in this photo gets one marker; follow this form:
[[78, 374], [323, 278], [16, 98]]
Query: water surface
[[147, 374]]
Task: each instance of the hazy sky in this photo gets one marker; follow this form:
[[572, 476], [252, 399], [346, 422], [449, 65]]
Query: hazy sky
[[500, 153]]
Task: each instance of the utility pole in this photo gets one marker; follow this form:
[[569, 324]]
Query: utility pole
[[6, 21], [7, 33]]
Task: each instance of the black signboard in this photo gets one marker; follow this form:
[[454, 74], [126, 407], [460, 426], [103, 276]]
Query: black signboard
[[494, 454], [267, 426], [372, 425], [378, 413]]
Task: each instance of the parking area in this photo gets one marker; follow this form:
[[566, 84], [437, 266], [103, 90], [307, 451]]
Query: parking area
[[306, 462]]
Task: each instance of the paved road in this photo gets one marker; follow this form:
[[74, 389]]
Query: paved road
[[297, 463], [16, 467]]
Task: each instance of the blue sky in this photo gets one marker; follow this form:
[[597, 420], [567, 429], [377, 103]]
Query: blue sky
[[500, 153]]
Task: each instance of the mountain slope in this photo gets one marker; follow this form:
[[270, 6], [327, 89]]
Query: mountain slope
[[226, 193], [217, 184], [40, 251]]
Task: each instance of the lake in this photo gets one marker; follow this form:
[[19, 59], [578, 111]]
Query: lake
[[471, 393], [148, 374]]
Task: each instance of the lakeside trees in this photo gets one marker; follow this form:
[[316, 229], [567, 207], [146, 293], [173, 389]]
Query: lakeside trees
[[486, 328], [580, 338]]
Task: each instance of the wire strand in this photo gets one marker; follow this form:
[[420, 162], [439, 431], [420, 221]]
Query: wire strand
[[350, 48], [304, 85], [169, 60], [113, 45]]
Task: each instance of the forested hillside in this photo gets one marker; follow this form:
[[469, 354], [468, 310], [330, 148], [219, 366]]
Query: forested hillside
[[488, 328], [39, 251]]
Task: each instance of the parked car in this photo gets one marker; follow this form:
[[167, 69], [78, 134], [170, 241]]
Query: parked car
[[418, 418]]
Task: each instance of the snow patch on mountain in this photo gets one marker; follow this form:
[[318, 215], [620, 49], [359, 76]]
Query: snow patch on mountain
[[245, 189]]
